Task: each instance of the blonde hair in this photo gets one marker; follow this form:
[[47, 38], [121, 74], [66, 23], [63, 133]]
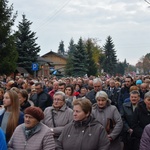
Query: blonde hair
[[14, 116]]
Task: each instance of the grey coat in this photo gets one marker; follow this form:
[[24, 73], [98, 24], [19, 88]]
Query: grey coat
[[88, 135], [110, 112], [42, 139], [61, 117], [145, 139]]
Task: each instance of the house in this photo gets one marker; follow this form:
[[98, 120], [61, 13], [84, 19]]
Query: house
[[58, 60]]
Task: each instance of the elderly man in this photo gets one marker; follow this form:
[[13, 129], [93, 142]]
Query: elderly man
[[58, 115], [32, 135], [97, 85]]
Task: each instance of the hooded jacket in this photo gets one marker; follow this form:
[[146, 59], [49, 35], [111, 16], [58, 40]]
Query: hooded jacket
[[84, 135]]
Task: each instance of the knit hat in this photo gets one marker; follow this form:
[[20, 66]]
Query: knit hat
[[138, 82], [35, 112]]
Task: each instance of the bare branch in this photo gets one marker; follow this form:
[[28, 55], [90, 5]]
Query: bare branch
[[147, 1]]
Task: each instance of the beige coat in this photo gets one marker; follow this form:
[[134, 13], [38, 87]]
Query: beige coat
[[110, 112], [61, 117]]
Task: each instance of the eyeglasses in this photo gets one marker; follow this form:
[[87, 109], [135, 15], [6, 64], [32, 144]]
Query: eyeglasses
[[57, 100]]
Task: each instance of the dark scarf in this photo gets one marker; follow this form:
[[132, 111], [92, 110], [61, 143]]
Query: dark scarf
[[30, 132], [82, 123]]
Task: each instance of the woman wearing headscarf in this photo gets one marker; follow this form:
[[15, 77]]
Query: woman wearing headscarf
[[84, 132], [32, 135], [109, 117]]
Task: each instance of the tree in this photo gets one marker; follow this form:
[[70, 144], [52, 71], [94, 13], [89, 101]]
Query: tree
[[146, 63], [92, 67], [110, 57], [61, 49], [69, 64], [8, 53], [26, 45], [120, 70], [80, 60]]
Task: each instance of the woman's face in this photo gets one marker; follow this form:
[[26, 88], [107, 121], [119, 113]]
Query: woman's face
[[101, 102], [78, 113], [147, 102], [68, 91], [21, 98], [6, 100]]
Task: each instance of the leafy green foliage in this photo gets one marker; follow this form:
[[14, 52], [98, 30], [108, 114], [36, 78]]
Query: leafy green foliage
[[8, 53], [26, 45]]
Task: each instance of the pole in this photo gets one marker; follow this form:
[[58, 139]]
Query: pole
[[34, 74]]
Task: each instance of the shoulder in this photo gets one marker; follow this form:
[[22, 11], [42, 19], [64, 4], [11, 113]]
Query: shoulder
[[47, 109]]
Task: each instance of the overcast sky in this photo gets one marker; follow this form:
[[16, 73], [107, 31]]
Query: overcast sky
[[126, 21]]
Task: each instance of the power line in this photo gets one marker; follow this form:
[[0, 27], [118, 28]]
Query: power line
[[53, 16]]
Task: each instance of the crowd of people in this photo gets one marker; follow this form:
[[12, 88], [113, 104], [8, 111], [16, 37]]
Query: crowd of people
[[92, 113]]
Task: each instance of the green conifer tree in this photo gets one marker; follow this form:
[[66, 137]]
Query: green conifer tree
[[69, 64], [92, 67], [80, 59], [26, 45], [8, 53], [110, 57], [61, 49]]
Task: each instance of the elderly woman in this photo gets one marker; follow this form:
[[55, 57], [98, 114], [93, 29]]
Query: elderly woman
[[32, 134], [141, 118], [58, 115], [145, 139], [109, 117], [84, 132]]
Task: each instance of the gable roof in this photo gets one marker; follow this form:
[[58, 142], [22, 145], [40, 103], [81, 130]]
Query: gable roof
[[57, 54]]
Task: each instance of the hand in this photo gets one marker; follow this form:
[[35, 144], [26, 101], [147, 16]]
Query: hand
[[130, 131], [52, 131], [110, 138]]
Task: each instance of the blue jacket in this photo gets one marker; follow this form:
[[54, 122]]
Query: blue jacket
[[20, 121], [3, 145]]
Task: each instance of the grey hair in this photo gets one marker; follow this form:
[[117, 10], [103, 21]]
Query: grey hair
[[60, 93], [102, 94], [97, 80], [147, 95]]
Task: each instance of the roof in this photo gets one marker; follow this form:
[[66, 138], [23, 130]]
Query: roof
[[21, 70], [44, 60], [57, 54]]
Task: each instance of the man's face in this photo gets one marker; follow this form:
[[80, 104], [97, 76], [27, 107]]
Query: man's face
[[61, 88], [38, 89], [128, 82], [112, 84], [134, 98], [97, 86], [143, 87], [30, 121]]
